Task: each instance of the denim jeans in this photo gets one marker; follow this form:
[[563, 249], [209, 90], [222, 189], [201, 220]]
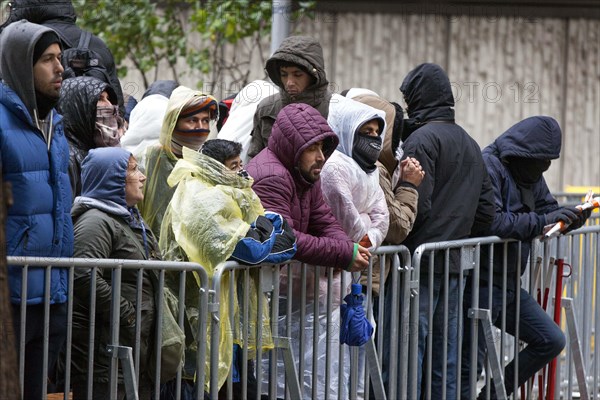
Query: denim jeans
[[435, 297], [34, 344], [544, 338]]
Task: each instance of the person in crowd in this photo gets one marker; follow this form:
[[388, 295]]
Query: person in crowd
[[146, 119], [35, 154], [107, 224], [287, 180], [297, 68], [186, 124], [350, 184], [60, 16], [91, 119], [455, 201], [516, 161], [399, 181], [239, 123], [214, 215]]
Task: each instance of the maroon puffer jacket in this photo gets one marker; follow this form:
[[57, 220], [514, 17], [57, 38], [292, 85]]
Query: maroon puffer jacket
[[282, 189]]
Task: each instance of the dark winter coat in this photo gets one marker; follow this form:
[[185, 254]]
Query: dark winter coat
[[78, 100], [106, 228], [38, 223], [308, 53], [455, 196], [282, 189], [536, 138], [60, 16]]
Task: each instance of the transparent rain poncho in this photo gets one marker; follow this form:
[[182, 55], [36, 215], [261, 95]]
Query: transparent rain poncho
[[211, 210]]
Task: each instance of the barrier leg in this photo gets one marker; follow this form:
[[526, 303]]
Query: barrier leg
[[291, 374], [125, 354], [575, 344], [374, 371], [497, 374], [560, 263]]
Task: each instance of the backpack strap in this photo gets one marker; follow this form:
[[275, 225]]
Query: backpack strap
[[84, 40]]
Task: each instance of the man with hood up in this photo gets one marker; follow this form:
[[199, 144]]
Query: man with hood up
[[287, 180], [297, 68], [455, 201], [35, 157], [187, 121], [91, 119], [60, 16], [351, 183], [524, 206]]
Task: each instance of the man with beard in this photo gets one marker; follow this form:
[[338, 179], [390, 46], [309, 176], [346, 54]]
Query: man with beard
[[287, 180], [35, 157]]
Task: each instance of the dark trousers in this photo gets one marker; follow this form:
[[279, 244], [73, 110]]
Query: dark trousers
[[34, 344], [544, 338]]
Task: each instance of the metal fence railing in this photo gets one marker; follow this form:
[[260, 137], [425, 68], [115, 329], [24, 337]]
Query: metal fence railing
[[274, 330]]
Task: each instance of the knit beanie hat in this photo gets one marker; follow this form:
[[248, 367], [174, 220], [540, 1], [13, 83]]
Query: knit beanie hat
[[43, 43]]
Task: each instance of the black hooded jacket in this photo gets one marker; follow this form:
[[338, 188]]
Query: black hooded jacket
[[77, 104], [60, 16], [455, 197]]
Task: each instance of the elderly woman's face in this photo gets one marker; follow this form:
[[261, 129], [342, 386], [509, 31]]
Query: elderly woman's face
[[134, 183]]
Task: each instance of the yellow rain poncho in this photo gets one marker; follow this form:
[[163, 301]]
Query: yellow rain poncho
[[160, 159], [211, 210]]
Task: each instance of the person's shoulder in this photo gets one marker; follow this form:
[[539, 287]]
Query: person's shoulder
[[269, 106], [266, 165]]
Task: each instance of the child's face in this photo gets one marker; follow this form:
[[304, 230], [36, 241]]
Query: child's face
[[234, 163]]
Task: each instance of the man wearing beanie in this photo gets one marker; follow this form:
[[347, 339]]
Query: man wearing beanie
[[35, 157]]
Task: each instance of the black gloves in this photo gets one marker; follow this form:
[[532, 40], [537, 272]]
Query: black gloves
[[580, 221], [573, 217], [565, 214]]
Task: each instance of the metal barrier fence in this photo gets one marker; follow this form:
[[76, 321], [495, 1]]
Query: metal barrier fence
[[129, 358], [274, 330]]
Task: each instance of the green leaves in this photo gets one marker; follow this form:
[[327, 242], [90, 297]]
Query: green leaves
[[149, 34]]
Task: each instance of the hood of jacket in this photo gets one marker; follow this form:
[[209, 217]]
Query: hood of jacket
[[16, 64], [40, 11], [177, 102], [297, 127], [163, 87], [428, 94], [103, 179], [308, 53], [77, 104], [536, 137], [145, 123], [346, 116], [388, 156]]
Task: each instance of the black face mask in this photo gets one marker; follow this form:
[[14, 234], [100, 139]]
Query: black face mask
[[527, 171], [366, 151]]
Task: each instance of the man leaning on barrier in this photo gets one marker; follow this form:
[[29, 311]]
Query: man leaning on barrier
[[287, 180], [35, 157], [524, 206], [455, 201]]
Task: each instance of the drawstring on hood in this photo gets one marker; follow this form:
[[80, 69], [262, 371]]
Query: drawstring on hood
[[22, 37]]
